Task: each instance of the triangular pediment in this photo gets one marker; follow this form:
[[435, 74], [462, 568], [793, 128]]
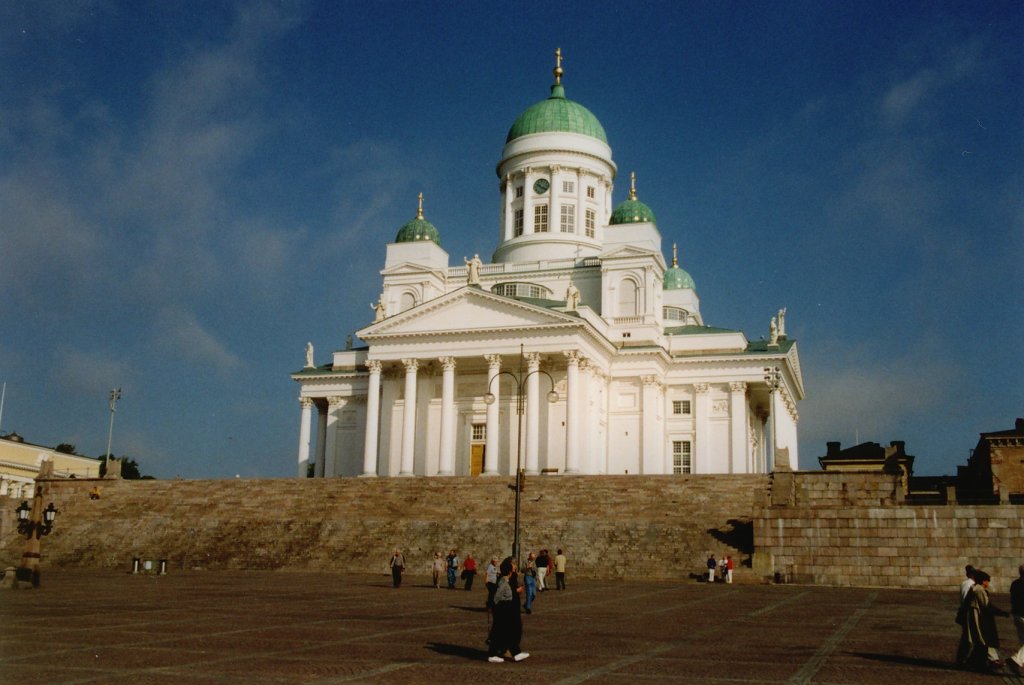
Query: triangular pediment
[[407, 268], [467, 310], [627, 252]]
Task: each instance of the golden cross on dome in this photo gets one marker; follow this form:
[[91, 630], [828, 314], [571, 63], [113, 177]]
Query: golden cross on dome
[[675, 259], [558, 66], [419, 212], [632, 185]]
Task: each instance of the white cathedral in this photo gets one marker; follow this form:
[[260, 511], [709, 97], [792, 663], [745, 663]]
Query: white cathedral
[[576, 350]]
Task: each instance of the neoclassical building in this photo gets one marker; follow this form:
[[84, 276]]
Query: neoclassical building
[[576, 349]]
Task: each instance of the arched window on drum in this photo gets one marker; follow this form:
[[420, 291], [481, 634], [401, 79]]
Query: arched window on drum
[[630, 295], [407, 301]]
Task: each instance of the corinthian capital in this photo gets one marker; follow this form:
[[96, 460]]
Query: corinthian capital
[[411, 365]]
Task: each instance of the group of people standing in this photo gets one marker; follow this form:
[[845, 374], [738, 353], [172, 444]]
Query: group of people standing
[[449, 567], [723, 568], [976, 615]]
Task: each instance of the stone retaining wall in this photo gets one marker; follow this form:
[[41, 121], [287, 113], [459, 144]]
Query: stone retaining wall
[[854, 529], [610, 526], [812, 527]]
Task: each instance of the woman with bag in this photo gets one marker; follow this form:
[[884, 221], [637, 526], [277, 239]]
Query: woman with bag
[[397, 567]]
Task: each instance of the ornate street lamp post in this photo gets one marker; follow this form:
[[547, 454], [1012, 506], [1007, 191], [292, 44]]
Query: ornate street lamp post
[[33, 522], [773, 378], [520, 381]]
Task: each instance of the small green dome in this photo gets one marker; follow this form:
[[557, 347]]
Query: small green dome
[[676, 278], [632, 211], [418, 229], [557, 114]]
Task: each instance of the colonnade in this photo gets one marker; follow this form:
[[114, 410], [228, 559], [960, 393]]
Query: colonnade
[[446, 455]]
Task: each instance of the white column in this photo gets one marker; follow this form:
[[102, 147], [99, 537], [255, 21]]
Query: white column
[[572, 413], [581, 228], [304, 428], [554, 206], [447, 456], [702, 428], [409, 417], [321, 439], [528, 226], [532, 413], [508, 222], [738, 427], [652, 444], [493, 387], [331, 443], [372, 419]]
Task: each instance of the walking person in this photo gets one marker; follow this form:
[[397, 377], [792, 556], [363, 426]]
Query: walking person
[[963, 649], [469, 570], [530, 582], [1016, 662], [397, 567], [980, 626], [507, 630], [560, 563], [712, 565], [436, 569], [491, 578], [543, 563], [452, 563]]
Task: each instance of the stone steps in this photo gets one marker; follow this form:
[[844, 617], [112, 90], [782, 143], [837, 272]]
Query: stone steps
[[609, 526]]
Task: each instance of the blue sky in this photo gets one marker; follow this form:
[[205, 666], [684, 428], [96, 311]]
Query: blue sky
[[191, 191]]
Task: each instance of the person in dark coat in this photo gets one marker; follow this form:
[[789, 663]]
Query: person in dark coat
[[979, 626], [507, 627]]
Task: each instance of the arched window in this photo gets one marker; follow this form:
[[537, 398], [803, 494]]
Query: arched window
[[408, 301], [675, 314], [522, 290], [629, 297]]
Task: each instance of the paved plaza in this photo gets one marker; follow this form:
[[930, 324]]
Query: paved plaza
[[256, 628]]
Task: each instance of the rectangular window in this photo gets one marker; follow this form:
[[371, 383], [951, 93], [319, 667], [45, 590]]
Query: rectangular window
[[540, 219], [591, 193], [568, 187], [518, 223], [568, 218], [479, 431], [681, 462], [519, 191], [680, 406], [591, 222]]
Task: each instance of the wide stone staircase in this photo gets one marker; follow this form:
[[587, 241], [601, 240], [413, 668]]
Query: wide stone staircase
[[659, 527]]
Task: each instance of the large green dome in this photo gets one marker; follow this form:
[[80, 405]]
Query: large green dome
[[418, 229], [557, 114]]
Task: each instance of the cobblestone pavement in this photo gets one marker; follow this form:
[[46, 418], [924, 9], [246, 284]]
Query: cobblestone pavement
[[256, 628]]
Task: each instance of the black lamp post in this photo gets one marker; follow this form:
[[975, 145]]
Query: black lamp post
[[33, 522], [520, 381]]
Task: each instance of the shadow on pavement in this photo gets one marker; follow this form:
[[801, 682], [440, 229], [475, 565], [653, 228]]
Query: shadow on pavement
[[908, 661], [458, 650]]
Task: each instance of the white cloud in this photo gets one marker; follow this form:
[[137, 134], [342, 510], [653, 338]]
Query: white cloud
[[89, 373], [178, 332]]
